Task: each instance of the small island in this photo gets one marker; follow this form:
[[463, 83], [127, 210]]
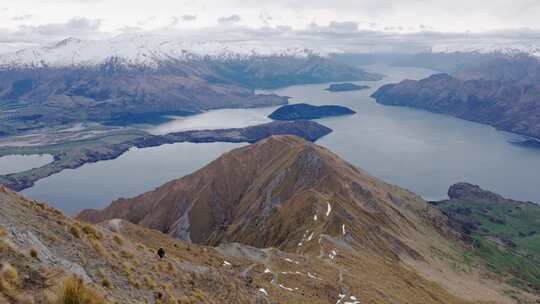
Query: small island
[[344, 87], [304, 111]]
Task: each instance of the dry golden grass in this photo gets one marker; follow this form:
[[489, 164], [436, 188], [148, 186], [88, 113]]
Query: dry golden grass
[[101, 273], [3, 245], [91, 231], [132, 282], [149, 282], [171, 268], [118, 239], [74, 291], [126, 254], [75, 231], [9, 278], [127, 267], [98, 247], [199, 296]]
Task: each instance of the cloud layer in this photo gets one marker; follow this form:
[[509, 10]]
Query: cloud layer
[[371, 25]]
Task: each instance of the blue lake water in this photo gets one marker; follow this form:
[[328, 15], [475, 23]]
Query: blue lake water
[[17, 163], [415, 149]]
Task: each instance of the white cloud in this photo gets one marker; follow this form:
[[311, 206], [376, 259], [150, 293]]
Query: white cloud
[[441, 15], [76, 26], [22, 17], [343, 23]]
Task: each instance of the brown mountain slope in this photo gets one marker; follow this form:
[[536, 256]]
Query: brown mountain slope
[[269, 193], [289, 194], [118, 261]]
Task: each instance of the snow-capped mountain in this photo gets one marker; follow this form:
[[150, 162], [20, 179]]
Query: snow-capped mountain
[[134, 76], [144, 49], [488, 48]]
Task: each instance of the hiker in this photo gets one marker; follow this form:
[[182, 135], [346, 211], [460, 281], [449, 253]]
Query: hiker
[[161, 253]]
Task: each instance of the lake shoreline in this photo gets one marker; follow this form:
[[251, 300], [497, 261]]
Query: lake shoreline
[[86, 153]]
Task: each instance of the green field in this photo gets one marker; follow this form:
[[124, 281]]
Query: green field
[[505, 234]]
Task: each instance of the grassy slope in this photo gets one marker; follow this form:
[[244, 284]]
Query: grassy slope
[[505, 234]]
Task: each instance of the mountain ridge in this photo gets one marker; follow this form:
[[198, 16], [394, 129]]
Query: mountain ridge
[[279, 161], [323, 230], [297, 197], [142, 50], [117, 261]]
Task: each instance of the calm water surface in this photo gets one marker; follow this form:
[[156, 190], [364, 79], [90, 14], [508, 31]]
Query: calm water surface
[[415, 149], [18, 163], [136, 171]]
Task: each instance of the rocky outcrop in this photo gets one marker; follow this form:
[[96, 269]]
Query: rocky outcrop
[[466, 191], [306, 111]]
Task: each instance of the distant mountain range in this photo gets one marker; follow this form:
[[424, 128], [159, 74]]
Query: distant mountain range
[[143, 50], [503, 92], [128, 76]]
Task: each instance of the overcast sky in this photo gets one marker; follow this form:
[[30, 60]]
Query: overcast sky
[[37, 21]]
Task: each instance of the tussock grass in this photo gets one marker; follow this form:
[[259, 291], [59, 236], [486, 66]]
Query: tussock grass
[[75, 231], [91, 231], [9, 278], [133, 282], [149, 282], [118, 239], [98, 247], [128, 268], [74, 291], [171, 268], [4, 243], [126, 254]]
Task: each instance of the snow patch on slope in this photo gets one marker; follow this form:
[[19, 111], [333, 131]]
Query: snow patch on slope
[[488, 48], [144, 50]]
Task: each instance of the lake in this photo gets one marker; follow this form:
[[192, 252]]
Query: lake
[[415, 149], [18, 163]]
